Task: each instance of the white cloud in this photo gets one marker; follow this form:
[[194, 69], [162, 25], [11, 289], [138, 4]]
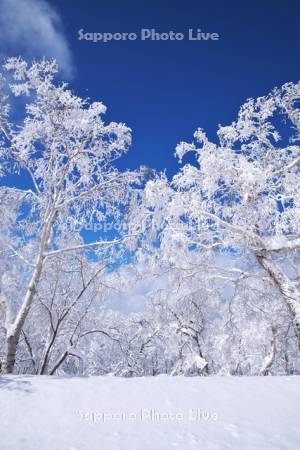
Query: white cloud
[[33, 29]]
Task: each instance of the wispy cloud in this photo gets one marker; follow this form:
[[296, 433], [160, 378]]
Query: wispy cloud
[[33, 29]]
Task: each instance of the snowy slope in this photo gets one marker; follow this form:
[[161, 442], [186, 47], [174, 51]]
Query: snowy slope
[[48, 413]]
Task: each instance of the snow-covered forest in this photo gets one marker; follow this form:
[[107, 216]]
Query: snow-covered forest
[[212, 253]]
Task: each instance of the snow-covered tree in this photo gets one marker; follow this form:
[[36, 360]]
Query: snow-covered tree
[[240, 198], [218, 246], [66, 154]]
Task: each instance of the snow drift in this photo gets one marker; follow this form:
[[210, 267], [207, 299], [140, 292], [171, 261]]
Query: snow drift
[[149, 413]]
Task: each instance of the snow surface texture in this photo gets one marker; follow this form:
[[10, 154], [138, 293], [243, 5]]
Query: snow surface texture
[[107, 413]]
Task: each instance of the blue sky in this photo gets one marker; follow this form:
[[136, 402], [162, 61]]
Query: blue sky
[[162, 90]]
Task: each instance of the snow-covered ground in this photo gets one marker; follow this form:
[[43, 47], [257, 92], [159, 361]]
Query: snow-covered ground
[[106, 413]]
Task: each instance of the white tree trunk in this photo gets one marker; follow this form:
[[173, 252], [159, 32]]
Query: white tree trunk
[[288, 288], [269, 360], [14, 329]]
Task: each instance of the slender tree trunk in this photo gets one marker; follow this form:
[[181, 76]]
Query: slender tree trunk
[[287, 287], [45, 363], [14, 329], [59, 362], [269, 360]]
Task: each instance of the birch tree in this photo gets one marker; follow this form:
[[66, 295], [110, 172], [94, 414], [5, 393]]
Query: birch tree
[[241, 195], [65, 153]]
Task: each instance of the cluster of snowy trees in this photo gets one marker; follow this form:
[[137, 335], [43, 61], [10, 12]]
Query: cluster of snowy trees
[[219, 243]]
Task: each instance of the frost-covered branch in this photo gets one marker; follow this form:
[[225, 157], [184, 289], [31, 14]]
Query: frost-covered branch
[[85, 246]]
